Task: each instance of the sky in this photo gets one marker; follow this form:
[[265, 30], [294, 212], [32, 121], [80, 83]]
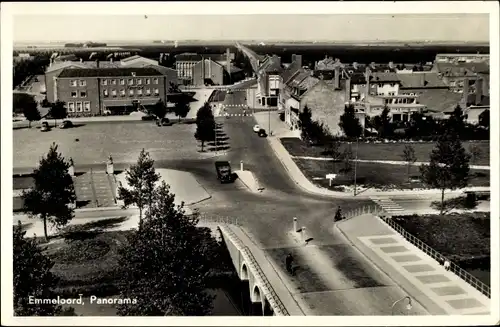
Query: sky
[[325, 27]]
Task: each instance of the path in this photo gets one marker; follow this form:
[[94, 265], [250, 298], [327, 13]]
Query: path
[[425, 280]]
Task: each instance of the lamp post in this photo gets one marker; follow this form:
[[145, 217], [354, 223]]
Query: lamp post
[[356, 166], [408, 306]]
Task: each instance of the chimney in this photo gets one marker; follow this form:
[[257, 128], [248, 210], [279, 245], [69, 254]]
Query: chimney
[[337, 77], [368, 74], [298, 58], [355, 65], [391, 65], [81, 59], [465, 93], [97, 63], [293, 57], [372, 65], [348, 88], [479, 90], [422, 79], [228, 61], [111, 60]]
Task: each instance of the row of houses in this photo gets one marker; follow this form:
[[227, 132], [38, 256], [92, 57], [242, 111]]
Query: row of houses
[[98, 87], [403, 89]]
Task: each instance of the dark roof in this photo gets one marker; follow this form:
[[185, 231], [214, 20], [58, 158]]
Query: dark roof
[[439, 100], [198, 57], [358, 78], [290, 71], [384, 77], [271, 64], [162, 69], [108, 72], [421, 80], [462, 69]]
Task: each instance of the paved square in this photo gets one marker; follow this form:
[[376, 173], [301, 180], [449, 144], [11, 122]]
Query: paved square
[[394, 249], [468, 303], [448, 290], [385, 240], [406, 258], [418, 268], [431, 279]]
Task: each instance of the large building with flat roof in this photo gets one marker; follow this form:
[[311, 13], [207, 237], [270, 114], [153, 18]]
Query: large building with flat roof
[[91, 92]]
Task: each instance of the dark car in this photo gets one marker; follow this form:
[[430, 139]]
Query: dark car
[[262, 133], [45, 127], [148, 117], [66, 124], [163, 122]]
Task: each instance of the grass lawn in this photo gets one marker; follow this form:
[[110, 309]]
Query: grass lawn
[[464, 238], [370, 151], [373, 175], [96, 141]]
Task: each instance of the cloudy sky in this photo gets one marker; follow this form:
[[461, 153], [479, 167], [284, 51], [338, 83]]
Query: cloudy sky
[[339, 27]]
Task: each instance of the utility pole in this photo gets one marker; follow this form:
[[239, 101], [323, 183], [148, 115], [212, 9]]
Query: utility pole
[[355, 166]]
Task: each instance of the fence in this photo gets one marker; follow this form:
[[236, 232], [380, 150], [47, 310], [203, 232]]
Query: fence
[[272, 297], [473, 281], [373, 209]]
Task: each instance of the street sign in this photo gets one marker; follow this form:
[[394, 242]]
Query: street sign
[[330, 177]]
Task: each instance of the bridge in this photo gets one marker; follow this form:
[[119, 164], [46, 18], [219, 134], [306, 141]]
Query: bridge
[[347, 283]]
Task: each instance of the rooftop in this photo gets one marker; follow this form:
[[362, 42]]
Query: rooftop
[[198, 57], [384, 77], [439, 100], [420, 80], [108, 72]]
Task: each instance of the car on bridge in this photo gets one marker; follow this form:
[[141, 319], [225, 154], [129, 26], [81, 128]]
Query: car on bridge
[[224, 173]]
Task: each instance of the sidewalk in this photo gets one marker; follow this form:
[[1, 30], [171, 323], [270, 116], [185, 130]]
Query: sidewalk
[[423, 278], [280, 129], [387, 162]]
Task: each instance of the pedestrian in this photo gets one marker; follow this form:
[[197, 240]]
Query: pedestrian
[[288, 263], [338, 214], [447, 264]]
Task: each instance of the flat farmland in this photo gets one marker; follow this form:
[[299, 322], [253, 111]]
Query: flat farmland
[[93, 143]]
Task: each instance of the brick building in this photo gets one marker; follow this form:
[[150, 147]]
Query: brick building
[[210, 72], [89, 92], [185, 62]]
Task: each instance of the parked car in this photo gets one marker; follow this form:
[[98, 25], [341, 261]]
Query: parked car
[[262, 133], [229, 91], [256, 128], [66, 124], [45, 127], [148, 117], [163, 122]]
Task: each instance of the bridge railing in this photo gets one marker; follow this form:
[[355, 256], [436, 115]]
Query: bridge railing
[[272, 296], [373, 209]]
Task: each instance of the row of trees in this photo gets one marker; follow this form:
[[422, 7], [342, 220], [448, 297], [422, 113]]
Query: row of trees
[[166, 262], [205, 125], [26, 68]]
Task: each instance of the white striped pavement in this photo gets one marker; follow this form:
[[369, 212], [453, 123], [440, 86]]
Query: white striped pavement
[[236, 115], [234, 105], [387, 204]]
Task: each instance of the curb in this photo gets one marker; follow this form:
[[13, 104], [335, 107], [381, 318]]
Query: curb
[[98, 209], [259, 188]]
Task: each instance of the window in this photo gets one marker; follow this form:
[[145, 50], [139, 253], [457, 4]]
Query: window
[[155, 80], [86, 106], [392, 84], [148, 81], [157, 91], [74, 94], [122, 92], [72, 83], [83, 83], [83, 94], [104, 82], [131, 92], [122, 82], [148, 91], [113, 92], [105, 93], [71, 107], [139, 92], [78, 107], [113, 81], [130, 82], [139, 81]]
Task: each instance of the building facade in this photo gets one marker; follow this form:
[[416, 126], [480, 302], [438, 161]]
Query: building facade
[[185, 62], [89, 92]]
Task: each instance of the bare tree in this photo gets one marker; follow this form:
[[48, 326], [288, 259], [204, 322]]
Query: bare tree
[[409, 157]]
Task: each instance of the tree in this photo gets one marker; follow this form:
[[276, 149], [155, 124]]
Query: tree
[[53, 196], [181, 109], [141, 179], [448, 167], [409, 157], [349, 123], [347, 161], [305, 118], [58, 111], [32, 277], [484, 119], [21, 101], [160, 109], [456, 121], [475, 153], [205, 125], [333, 150], [31, 112], [167, 262], [383, 123]]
